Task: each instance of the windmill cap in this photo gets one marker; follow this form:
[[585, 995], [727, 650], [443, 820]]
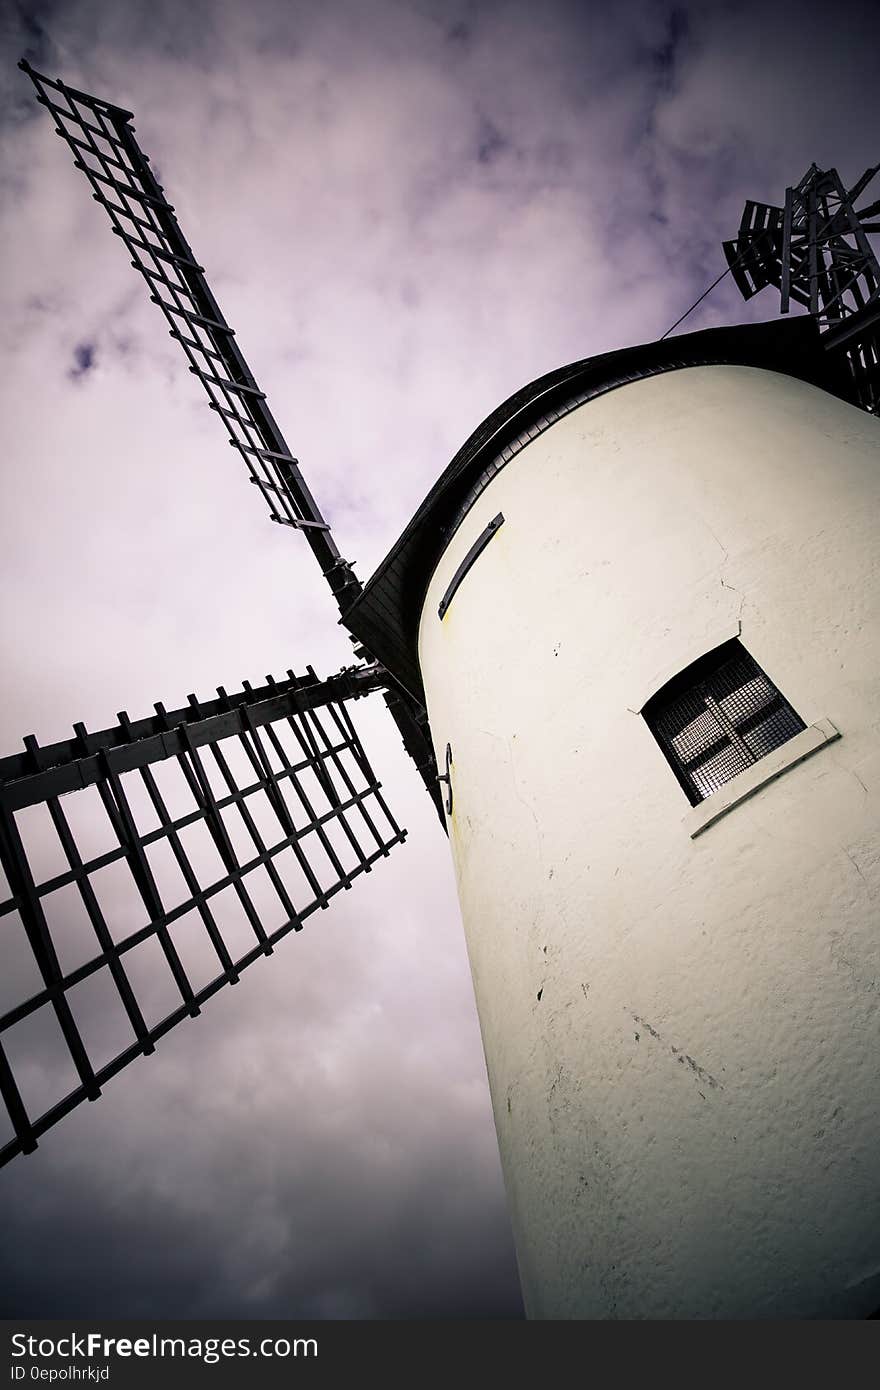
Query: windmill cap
[[386, 615]]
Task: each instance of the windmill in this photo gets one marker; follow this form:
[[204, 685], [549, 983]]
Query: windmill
[[482, 605]]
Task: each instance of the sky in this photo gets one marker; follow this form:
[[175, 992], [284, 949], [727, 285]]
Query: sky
[[407, 210]]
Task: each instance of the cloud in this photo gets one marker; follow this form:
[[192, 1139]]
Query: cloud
[[83, 361], [406, 210]]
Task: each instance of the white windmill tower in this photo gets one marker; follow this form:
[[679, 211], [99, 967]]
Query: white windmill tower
[[640, 611]]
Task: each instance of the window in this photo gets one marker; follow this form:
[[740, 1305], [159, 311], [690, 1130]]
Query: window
[[717, 718]]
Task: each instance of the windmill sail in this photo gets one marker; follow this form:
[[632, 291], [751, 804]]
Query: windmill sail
[[815, 251], [104, 147], [199, 837]]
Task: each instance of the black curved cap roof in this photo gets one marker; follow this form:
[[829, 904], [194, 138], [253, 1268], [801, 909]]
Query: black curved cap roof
[[385, 617]]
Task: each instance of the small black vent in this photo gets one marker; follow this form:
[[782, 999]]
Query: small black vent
[[716, 718]]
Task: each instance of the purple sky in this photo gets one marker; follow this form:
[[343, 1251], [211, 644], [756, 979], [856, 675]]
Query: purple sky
[[407, 209]]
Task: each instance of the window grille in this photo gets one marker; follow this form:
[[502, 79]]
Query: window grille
[[717, 718]]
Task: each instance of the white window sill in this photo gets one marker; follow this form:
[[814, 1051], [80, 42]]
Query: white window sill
[[767, 769]]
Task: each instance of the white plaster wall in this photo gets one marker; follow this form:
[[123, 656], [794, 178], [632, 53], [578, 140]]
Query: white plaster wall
[[681, 1035]]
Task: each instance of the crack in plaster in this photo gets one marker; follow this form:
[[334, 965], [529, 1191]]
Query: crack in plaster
[[680, 1056]]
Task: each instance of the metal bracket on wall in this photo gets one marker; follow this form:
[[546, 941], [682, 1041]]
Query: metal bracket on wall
[[476, 549], [445, 777]]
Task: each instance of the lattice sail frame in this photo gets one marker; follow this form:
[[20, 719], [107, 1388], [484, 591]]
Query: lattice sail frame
[[264, 826], [815, 251], [101, 138]]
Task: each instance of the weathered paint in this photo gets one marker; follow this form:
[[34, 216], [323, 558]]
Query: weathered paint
[[681, 1034]]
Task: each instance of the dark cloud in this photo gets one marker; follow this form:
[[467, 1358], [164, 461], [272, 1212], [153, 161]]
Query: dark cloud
[[491, 143], [459, 32], [35, 42], [83, 361], [35, 37], [666, 53], [406, 210]]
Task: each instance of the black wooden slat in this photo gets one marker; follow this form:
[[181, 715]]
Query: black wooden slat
[[18, 872], [11, 1097], [118, 810], [210, 809], [96, 917]]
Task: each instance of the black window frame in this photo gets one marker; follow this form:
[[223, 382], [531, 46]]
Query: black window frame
[[697, 697]]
